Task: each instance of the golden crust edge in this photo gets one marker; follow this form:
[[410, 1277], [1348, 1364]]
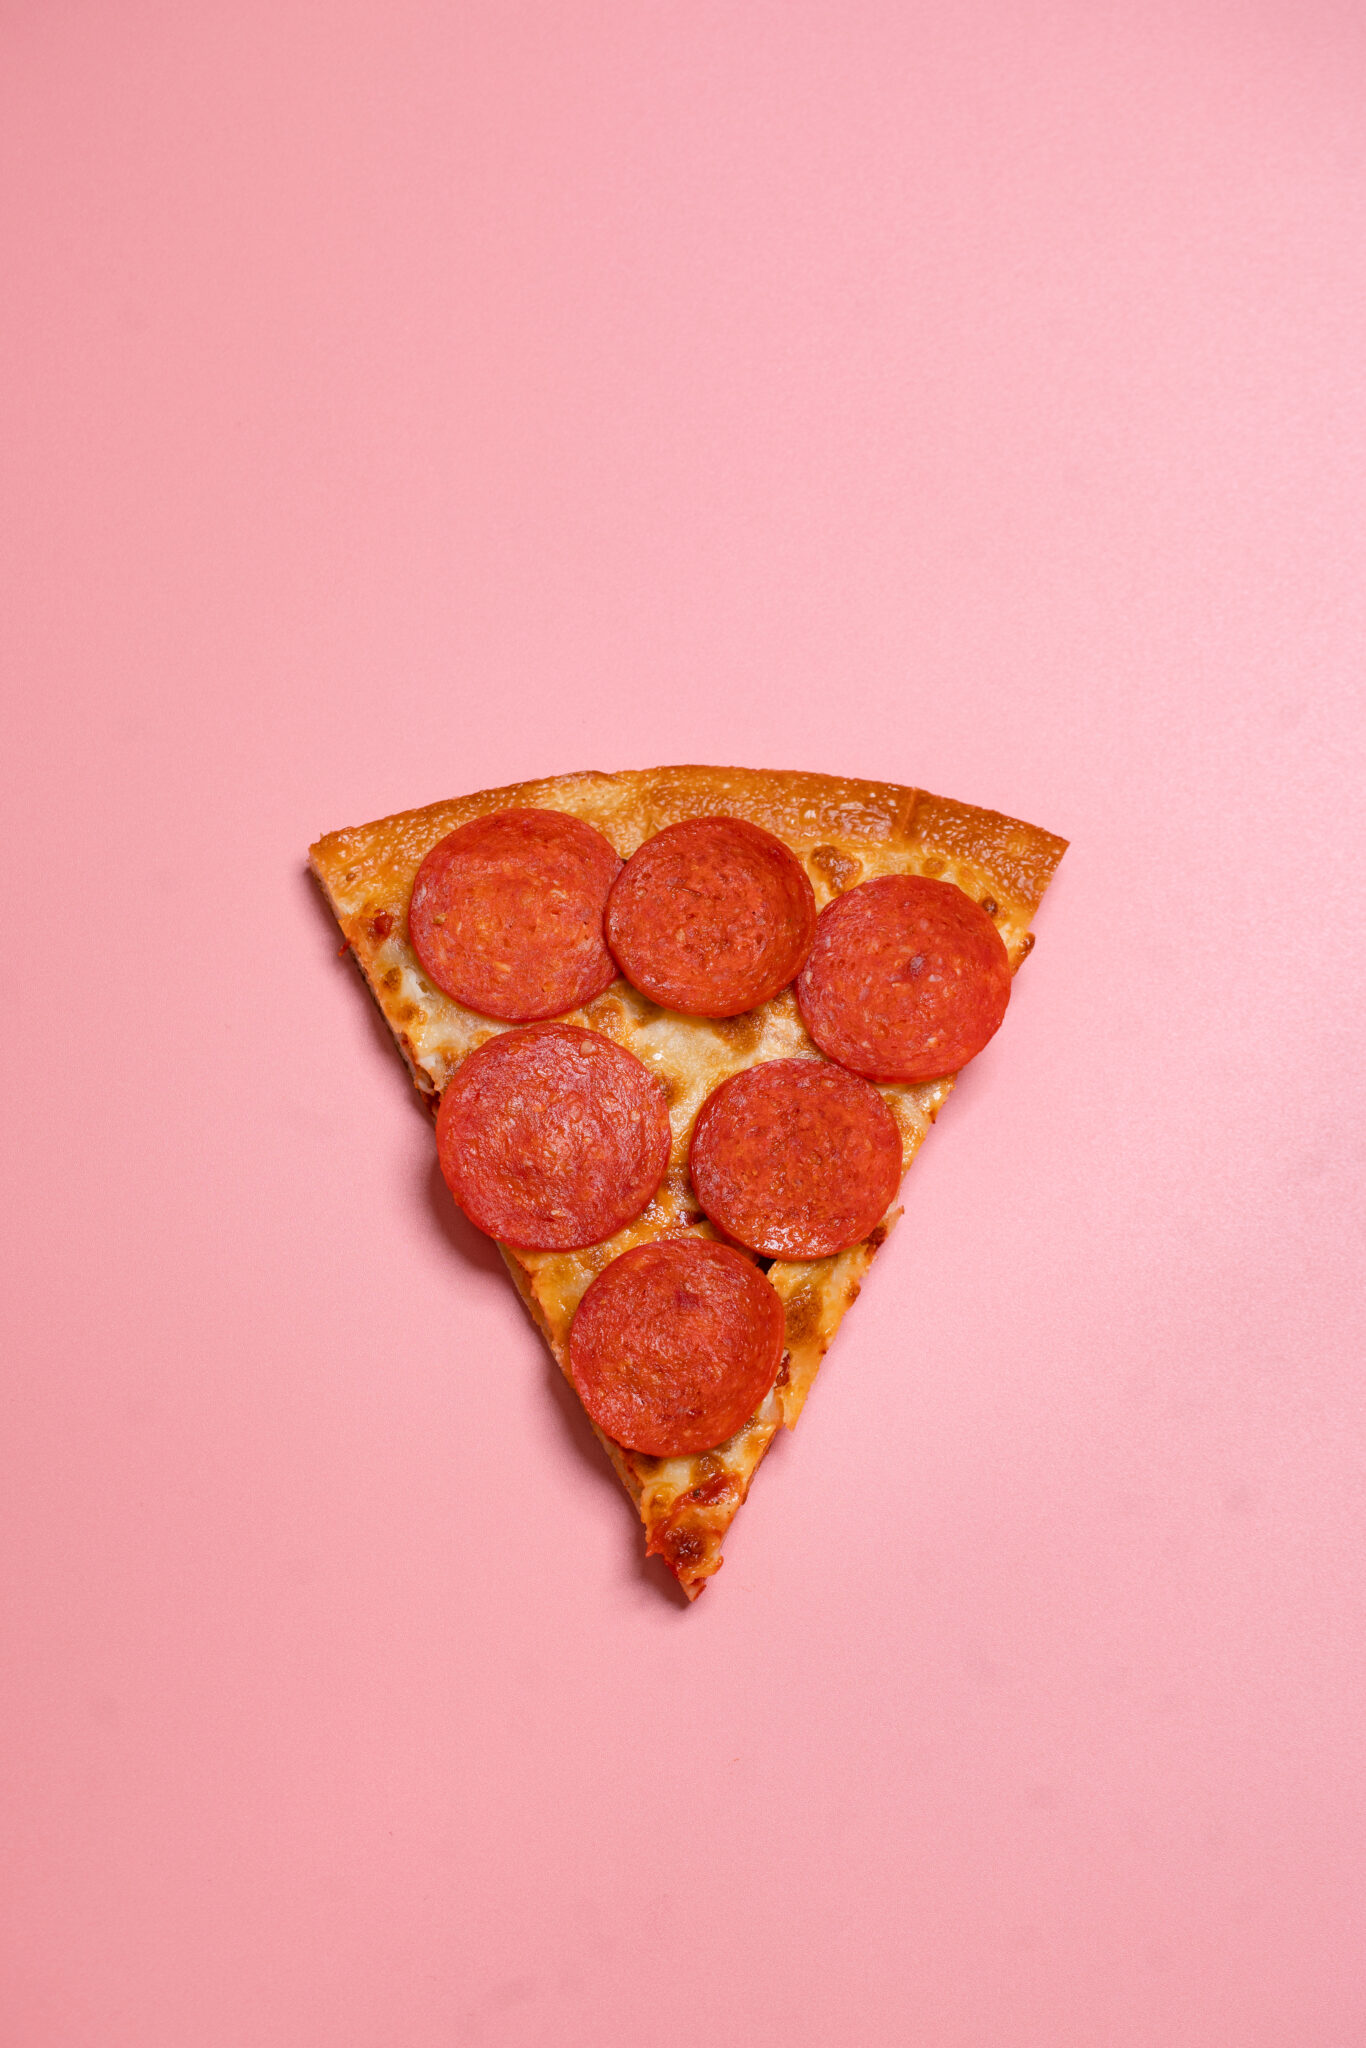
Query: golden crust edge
[[795, 804]]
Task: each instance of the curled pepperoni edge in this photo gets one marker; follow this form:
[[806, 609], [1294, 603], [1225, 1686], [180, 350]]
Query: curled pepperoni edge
[[467, 987], [634, 916], [467, 1171], [869, 1168], [717, 1410], [829, 1011]]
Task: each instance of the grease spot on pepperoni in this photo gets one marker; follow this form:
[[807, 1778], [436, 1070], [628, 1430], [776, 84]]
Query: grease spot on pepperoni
[[908, 979], [796, 1159], [506, 914], [712, 916], [674, 1346], [552, 1138]]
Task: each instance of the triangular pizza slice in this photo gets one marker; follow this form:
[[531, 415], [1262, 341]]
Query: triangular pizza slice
[[449, 983]]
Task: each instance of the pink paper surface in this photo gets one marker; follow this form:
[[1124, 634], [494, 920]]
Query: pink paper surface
[[399, 400]]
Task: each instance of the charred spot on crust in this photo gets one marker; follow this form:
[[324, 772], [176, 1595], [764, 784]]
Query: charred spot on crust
[[784, 1370], [381, 924], [877, 1237], [803, 1315], [1026, 945], [391, 979], [991, 906], [836, 868], [679, 1547]]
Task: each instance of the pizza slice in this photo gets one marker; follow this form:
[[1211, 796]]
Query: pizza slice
[[682, 1031]]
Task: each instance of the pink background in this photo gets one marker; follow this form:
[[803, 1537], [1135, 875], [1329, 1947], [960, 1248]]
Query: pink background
[[400, 399]]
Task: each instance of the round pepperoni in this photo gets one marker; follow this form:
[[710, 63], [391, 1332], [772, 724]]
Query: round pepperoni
[[795, 1158], [553, 1137], [907, 980], [711, 916], [507, 911], [675, 1345]]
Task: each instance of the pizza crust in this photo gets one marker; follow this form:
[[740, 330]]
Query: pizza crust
[[844, 832]]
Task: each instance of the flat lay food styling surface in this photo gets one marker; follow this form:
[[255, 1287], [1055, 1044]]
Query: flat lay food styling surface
[[682, 1032]]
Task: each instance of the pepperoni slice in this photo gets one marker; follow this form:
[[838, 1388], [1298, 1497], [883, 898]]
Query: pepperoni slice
[[553, 1137], [675, 1345], [907, 980], [507, 911], [795, 1158], [711, 916]]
